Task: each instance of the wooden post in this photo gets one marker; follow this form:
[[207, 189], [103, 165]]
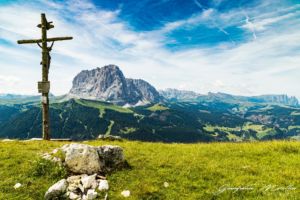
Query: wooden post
[[44, 85], [45, 72]]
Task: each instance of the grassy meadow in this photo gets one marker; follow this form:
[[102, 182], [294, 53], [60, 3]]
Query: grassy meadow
[[257, 170]]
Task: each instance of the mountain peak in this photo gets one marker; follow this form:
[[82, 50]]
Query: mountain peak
[[108, 83]]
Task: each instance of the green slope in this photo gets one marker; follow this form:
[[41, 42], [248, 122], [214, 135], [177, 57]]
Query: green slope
[[193, 171]]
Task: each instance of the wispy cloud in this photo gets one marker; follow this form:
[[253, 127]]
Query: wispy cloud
[[245, 67]]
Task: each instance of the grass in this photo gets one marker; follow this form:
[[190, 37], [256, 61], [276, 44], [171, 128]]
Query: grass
[[102, 106], [293, 127], [193, 171], [260, 129], [157, 107], [109, 127], [128, 130], [295, 113]]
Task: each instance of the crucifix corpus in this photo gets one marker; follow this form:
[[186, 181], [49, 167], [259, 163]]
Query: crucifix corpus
[[44, 85]]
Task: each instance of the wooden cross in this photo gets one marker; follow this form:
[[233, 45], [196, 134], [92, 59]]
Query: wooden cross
[[44, 85]]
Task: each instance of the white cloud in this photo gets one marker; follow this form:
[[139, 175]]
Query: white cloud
[[101, 38]]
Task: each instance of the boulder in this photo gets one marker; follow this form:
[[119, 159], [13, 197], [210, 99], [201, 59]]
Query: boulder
[[57, 190], [111, 156], [82, 159]]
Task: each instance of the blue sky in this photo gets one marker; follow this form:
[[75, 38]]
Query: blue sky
[[244, 47]]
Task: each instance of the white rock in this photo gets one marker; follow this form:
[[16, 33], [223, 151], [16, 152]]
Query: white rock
[[103, 185], [56, 190], [17, 185], [47, 156], [7, 140], [35, 139], [125, 193], [89, 181], [75, 179], [73, 196], [82, 159], [91, 194], [73, 187], [54, 151], [74, 183], [56, 160], [166, 184]]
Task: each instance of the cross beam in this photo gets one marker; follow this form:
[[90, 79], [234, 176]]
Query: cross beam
[[40, 40], [44, 85]]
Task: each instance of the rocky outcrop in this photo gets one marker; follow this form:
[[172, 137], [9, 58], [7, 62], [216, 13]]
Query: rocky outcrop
[[86, 165], [109, 84]]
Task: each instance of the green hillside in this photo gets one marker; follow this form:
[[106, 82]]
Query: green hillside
[[186, 122], [193, 171]]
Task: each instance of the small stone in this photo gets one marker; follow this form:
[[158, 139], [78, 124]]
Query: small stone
[[47, 156], [56, 190], [125, 193], [89, 181], [54, 151], [75, 179], [166, 184], [73, 187], [17, 185], [73, 196], [91, 194], [56, 160], [103, 185]]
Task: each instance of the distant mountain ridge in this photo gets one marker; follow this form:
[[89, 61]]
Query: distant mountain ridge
[[13, 96], [268, 99], [184, 95], [175, 94], [109, 84]]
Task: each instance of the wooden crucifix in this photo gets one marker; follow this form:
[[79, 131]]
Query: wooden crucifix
[[44, 85]]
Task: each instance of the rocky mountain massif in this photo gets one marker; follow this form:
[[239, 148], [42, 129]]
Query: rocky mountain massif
[[102, 101], [109, 84]]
